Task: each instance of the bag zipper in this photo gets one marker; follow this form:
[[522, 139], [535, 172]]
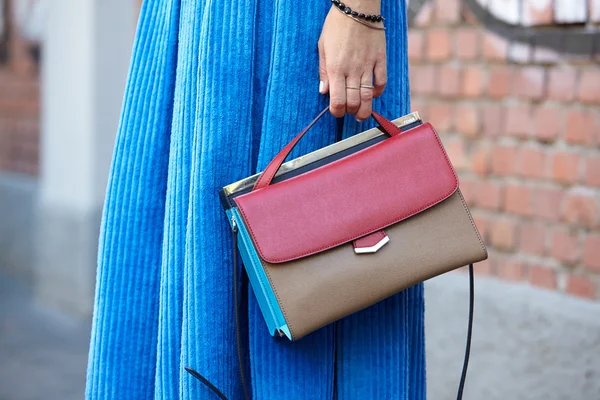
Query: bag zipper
[[234, 227]]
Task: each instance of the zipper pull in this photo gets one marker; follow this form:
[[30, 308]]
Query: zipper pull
[[234, 226]]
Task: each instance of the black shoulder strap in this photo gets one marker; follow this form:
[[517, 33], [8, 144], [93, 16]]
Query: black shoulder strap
[[463, 375], [239, 346], [238, 333]]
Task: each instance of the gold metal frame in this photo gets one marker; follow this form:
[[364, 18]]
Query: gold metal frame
[[322, 153]]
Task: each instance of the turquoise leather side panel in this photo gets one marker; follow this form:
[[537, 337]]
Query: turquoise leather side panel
[[267, 300]]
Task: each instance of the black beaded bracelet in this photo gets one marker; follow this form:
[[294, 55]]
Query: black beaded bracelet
[[349, 11]]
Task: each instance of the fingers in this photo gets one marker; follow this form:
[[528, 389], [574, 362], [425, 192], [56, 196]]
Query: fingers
[[352, 94], [337, 96], [323, 81], [380, 77], [366, 97]]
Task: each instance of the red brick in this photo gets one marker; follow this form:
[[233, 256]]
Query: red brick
[[449, 81], [537, 13], [565, 167], [510, 269], [19, 113], [469, 188], [490, 195], [480, 158], [529, 82], [542, 276], [502, 234], [455, 148], [562, 83], [591, 252], [519, 52], [472, 82], [581, 207], [547, 203], [581, 127], [423, 79], [416, 43], [517, 200], [533, 163], [499, 82], [518, 121], [504, 160], [447, 11], [439, 47], [545, 55], [589, 86], [592, 171], [580, 286], [4, 153], [441, 116], [467, 120], [482, 224], [484, 268], [412, 77], [421, 107], [493, 120], [595, 127], [468, 18], [425, 16], [466, 43], [23, 90], [566, 246], [548, 123], [532, 238], [494, 47]]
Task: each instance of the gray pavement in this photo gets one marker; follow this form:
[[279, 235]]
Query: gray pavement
[[43, 353]]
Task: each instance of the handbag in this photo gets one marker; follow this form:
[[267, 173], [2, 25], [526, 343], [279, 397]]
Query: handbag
[[334, 231]]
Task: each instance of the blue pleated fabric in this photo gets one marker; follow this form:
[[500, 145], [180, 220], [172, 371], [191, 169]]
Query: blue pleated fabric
[[216, 88]]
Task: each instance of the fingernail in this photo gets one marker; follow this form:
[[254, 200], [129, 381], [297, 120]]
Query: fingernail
[[359, 120], [321, 86]]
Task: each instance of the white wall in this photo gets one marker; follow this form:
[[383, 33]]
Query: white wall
[[86, 53]]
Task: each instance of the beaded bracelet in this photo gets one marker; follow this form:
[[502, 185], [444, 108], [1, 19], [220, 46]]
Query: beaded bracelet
[[368, 17]]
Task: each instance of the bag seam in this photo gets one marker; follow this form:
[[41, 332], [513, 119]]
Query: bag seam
[[351, 238], [473, 225], [270, 283], [287, 321]]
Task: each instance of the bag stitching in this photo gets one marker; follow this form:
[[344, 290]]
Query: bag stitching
[[280, 302], [473, 225], [381, 232], [410, 214], [270, 284], [266, 269]]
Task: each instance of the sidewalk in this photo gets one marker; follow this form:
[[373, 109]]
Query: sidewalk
[[43, 353]]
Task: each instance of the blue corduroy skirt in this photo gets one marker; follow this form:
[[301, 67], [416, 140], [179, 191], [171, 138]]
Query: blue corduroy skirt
[[215, 89]]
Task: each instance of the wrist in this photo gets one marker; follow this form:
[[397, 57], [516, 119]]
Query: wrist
[[364, 6], [372, 19]]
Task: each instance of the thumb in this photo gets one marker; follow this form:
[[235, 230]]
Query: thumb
[[324, 82]]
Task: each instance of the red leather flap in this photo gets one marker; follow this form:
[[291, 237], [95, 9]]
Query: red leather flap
[[349, 198]]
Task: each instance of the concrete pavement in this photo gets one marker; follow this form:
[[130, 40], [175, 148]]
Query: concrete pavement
[[43, 353]]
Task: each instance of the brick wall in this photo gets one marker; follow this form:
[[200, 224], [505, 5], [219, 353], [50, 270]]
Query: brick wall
[[19, 101], [521, 123]]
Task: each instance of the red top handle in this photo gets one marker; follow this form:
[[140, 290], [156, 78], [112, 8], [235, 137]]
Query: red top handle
[[267, 175]]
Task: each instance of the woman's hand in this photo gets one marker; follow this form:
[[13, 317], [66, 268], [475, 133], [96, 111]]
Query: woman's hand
[[351, 55]]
